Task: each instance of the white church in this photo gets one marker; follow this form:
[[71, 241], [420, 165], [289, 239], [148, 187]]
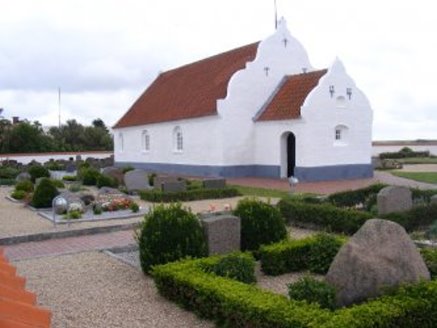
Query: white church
[[258, 110]]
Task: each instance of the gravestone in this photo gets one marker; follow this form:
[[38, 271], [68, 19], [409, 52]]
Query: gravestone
[[214, 183], [23, 176], [136, 180], [160, 179], [379, 255], [433, 200], [70, 167], [394, 199], [174, 186], [222, 233], [114, 172]]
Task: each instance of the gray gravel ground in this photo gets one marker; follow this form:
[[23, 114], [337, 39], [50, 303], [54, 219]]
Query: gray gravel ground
[[94, 290]]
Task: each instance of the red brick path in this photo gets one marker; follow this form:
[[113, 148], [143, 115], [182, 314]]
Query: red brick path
[[69, 245]]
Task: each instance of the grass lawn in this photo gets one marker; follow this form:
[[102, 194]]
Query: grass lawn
[[429, 177], [418, 160]]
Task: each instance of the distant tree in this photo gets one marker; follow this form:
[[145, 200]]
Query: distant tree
[[5, 135], [26, 137], [98, 123]]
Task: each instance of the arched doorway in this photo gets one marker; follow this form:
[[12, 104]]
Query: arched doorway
[[288, 154]]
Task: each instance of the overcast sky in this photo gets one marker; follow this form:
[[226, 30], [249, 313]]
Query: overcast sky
[[104, 53]]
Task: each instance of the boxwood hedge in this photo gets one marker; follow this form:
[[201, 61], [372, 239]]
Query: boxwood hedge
[[183, 196]]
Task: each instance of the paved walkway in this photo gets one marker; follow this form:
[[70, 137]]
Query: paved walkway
[[69, 245]]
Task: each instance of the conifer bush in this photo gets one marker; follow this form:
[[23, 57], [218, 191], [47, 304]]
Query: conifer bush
[[170, 233], [25, 185], [261, 224], [44, 194], [38, 171]]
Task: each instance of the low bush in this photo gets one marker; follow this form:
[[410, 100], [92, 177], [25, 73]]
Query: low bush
[[423, 196], [354, 198], [234, 304], [430, 257], [261, 224], [325, 216], [106, 181], [97, 209], [54, 166], [237, 266], [169, 233], [418, 217], [8, 172], [18, 194], [405, 152], [58, 183], [44, 194], [25, 185], [90, 176], [134, 207], [7, 182], [151, 177], [314, 254], [73, 215], [38, 171], [312, 290], [189, 195], [70, 178]]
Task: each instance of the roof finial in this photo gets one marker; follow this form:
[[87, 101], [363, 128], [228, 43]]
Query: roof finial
[[276, 15]]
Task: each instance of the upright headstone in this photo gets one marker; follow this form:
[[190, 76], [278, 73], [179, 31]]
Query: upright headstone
[[114, 172], [222, 233], [174, 186], [160, 179], [379, 255], [394, 199], [70, 167], [433, 200], [214, 183], [136, 180]]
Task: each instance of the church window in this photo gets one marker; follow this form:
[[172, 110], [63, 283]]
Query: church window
[[178, 139], [121, 141], [340, 135], [145, 140]]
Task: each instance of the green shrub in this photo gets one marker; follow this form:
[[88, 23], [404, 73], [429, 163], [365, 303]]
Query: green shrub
[[326, 216], [431, 233], [38, 171], [54, 166], [418, 217], [405, 152], [314, 253], [312, 290], [430, 257], [58, 183], [75, 187], [234, 304], [70, 178], [97, 209], [189, 195], [261, 224], [134, 207], [25, 185], [18, 194], [106, 181], [169, 233], [151, 178], [7, 182], [73, 215], [237, 266], [44, 194], [423, 195], [125, 169], [8, 172], [352, 198], [90, 176]]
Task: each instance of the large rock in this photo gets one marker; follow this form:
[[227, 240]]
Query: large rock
[[114, 172], [380, 254], [136, 180], [394, 199]]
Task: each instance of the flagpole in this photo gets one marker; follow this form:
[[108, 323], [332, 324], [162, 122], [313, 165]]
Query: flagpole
[[276, 15], [59, 107]]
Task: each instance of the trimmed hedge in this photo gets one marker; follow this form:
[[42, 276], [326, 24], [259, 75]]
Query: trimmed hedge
[[314, 253], [237, 266], [353, 198], [261, 224], [417, 217], [405, 152], [183, 196], [234, 304], [324, 215], [7, 182], [311, 290], [430, 257], [423, 195]]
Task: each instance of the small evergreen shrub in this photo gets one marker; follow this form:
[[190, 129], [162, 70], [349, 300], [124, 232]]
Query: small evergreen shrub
[[44, 194], [73, 215], [422, 195], [69, 178], [170, 233], [431, 233], [97, 209], [261, 224], [25, 185], [325, 216], [106, 181], [237, 266], [18, 194], [430, 257], [8, 172], [54, 166], [312, 290], [38, 171], [134, 207], [323, 251], [90, 176], [75, 187], [151, 178], [58, 183]]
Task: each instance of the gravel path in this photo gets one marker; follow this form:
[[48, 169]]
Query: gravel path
[[94, 290]]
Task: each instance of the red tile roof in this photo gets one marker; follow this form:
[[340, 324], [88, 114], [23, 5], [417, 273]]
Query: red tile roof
[[289, 98], [189, 91]]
